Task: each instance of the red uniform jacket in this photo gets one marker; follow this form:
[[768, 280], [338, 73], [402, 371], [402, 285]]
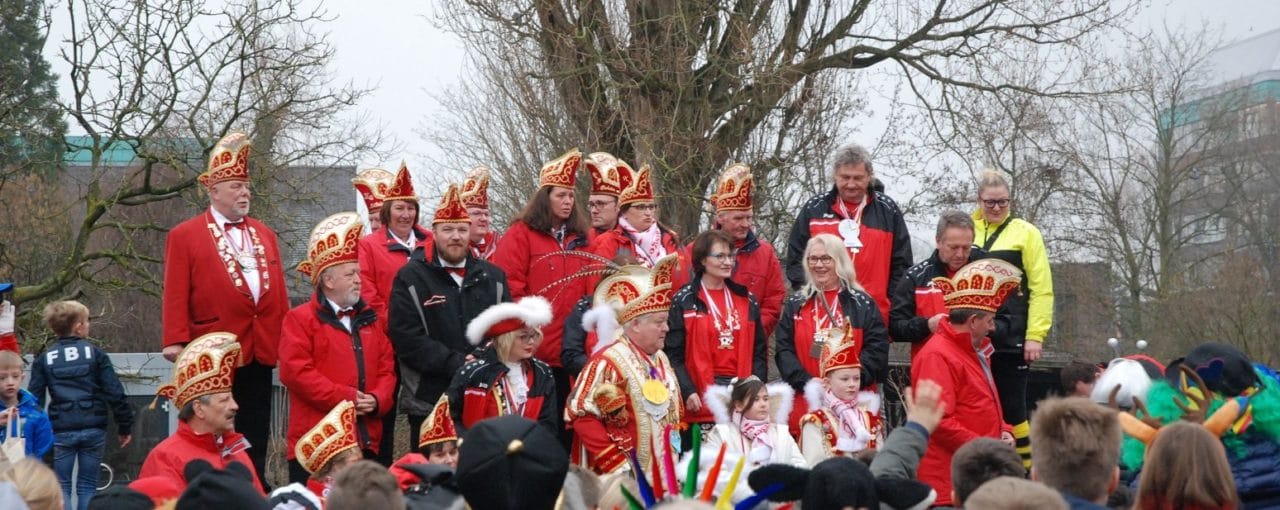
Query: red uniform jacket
[[477, 393], [201, 294], [322, 364], [381, 257], [169, 457], [760, 271], [520, 255], [609, 244], [973, 408]]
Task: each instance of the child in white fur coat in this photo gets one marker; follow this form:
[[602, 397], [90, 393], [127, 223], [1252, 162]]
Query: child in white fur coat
[[751, 419]]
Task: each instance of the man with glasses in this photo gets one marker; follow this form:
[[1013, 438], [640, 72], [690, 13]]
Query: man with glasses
[[869, 223], [758, 268], [609, 175], [1024, 323]]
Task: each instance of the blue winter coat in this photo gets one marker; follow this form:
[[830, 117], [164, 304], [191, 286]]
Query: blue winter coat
[[35, 426]]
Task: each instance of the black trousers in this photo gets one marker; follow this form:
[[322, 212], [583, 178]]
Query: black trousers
[[562, 395], [252, 390], [1011, 373]]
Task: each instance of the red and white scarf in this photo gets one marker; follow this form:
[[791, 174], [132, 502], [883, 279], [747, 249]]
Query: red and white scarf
[[853, 423], [649, 242]]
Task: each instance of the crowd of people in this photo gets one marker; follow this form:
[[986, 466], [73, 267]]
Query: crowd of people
[[597, 361]]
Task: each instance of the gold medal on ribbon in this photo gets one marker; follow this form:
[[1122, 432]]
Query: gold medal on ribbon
[[655, 392]]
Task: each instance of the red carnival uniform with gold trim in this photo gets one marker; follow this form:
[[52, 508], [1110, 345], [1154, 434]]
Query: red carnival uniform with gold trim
[[475, 194], [833, 427], [758, 267], [228, 276], [206, 366], [382, 255], [950, 359], [620, 240], [324, 361], [334, 434], [488, 387], [372, 185], [625, 399]]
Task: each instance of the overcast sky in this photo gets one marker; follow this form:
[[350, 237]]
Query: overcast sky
[[394, 45]]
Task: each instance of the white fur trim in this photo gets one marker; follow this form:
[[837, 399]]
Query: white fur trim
[[602, 319], [717, 401], [785, 398], [1129, 376], [813, 391], [534, 311], [870, 401]]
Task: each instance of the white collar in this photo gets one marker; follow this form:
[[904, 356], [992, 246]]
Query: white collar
[[221, 220]]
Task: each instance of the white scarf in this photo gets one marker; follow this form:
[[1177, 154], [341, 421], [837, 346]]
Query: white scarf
[[649, 241]]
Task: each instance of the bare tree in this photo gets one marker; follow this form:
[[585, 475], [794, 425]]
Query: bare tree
[[686, 86], [160, 82]]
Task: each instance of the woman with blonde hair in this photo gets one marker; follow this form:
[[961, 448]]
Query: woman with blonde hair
[[506, 378], [830, 302], [1186, 469]]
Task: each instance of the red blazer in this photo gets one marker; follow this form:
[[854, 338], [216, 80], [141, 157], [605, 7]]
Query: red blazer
[[518, 252], [381, 257], [322, 364], [949, 359], [201, 295], [169, 457], [608, 244]]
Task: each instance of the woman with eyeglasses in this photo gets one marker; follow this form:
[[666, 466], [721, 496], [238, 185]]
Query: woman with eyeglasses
[[715, 330], [1023, 324], [639, 233], [830, 301], [506, 378]]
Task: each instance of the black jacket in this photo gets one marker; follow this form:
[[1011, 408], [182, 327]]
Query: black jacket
[[906, 326], [439, 349], [881, 213], [573, 340], [861, 312], [689, 298], [485, 371], [82, 384]]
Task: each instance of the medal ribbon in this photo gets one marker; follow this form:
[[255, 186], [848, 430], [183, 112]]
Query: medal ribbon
[[844, 210], [833, 320], [721, 321]]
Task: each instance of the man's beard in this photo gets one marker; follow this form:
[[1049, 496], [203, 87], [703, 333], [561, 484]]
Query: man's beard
[[454, 254]]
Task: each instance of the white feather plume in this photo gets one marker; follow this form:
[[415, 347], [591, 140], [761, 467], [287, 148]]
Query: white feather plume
[[781, 399], [813, 391], [533, 311], [602, 319], [716, 399]]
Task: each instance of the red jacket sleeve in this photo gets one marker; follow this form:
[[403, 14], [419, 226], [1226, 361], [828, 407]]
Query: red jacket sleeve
[[175, 318], [775, 291], [512, 256], [602, 453], [299, 373], [950, 434]]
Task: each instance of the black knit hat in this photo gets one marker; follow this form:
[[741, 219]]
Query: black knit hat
[[840, 482], [119, 497], [510, 462], [230, 488]]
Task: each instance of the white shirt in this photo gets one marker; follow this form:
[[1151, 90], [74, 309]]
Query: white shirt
[[242, 243], [457, 278], [518, 384], [346, 321], [407, 243]]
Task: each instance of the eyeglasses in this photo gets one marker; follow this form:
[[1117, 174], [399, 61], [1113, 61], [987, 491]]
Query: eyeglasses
[[599, 204], [820, 259], [1003, 202], [528, 337], [722, 256], [645, 207]]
